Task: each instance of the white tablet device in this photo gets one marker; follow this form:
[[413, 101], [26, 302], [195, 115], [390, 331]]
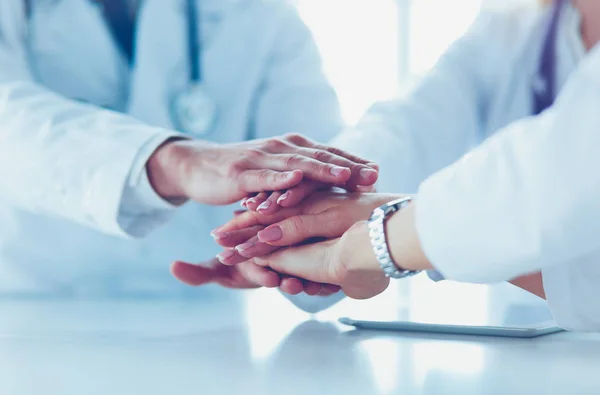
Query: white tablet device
[[477, 330], [451, 308]]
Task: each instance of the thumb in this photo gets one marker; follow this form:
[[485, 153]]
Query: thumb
[[191, 274]]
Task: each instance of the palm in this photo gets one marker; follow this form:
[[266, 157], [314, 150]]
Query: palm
[[213, 272]]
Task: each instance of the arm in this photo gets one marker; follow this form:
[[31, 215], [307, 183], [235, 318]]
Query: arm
[[76, 161], [440, 119], [49, 165], [524, 201]]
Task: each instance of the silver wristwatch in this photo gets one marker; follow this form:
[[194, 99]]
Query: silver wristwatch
[[378, 238]]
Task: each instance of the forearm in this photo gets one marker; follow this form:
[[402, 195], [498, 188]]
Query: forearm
[[408, 253], [403, 240], [50, 164]]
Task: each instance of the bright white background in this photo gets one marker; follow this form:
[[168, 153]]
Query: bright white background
[[372, 48]]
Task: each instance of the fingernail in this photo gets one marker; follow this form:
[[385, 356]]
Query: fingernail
[[250, 201], [243, 203], [366, 174], [219, 235], [283, 197], [265, 205], [373, 165], [336, 170], [244, 247], [225, 255], [270, 234]]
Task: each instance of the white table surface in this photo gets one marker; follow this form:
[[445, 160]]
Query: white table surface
[[257, 343]]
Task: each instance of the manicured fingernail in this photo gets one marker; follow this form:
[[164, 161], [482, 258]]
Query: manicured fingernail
[[219, 235], [225, 255], [336, 170], [283, 197], [270, 234], [244, 247], [366, 174], [243, 203], [265, 205], [250, 201]]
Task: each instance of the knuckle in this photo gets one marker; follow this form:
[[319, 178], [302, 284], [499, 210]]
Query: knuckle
[[263, 176], [297, 225], [294, 160], [235, 168], [295, 138], [323, 156], [254, 153], [275, 144]]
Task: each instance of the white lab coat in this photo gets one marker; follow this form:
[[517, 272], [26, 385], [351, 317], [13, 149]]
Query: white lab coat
[[69, 171], [527, 198]]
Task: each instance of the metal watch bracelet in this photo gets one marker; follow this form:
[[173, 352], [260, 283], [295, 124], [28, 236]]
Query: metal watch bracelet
[[378, 238]]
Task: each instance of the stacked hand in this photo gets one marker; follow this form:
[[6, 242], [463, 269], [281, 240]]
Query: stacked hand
[[222, 174], [285, 242]]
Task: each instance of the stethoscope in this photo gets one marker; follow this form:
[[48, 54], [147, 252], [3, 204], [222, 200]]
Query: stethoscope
[[544, 82], [193, 110]]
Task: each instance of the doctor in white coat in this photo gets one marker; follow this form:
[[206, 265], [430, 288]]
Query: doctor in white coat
[[500, 144], [91, 93]]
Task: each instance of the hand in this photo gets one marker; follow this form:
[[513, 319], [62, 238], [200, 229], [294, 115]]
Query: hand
[[244, 276], [323, 215], [269, 204], [348, 262], [222, 174]]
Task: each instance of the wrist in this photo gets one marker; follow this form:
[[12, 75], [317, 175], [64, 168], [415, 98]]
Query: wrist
[[403, 241], [356, 249], [165, 169]]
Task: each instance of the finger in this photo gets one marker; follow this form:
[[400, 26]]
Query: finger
[[259, 275], [255, 201], [306, 142], [298, 193], [311, 168], [291, 285], [254, 248], [269, 179], [361, 174], [251, 218], [232, 239], [194, 275], [329, 289], [238, 212], [366, 189], [296, 229], [230, 257], [312, 288], [269, 206]]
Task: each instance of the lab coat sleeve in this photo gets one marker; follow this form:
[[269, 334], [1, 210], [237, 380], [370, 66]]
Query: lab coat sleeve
[[437, 120], [527, 200], [295, 96], [142, 210], [49, 161]]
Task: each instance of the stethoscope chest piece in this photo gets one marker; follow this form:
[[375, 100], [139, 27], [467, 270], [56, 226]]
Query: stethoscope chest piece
[[194, 111]]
